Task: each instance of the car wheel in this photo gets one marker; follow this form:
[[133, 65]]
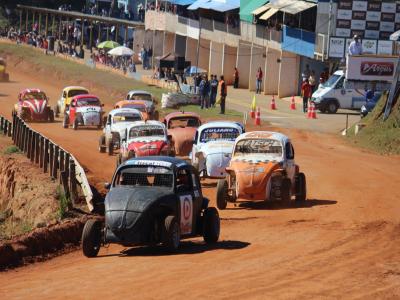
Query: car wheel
[[211, 225], [51, 116], [65, 121], [102, 142], [323, 110], [285, 190], [172, 234], [76, 124], [301, 187], [91, 238], [110, 147], [24, 115], [222, 194], [332, 107]]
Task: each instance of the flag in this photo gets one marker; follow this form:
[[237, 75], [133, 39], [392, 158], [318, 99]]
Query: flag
[[253, 104]]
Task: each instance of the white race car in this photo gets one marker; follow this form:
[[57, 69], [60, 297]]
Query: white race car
[[118, 120], [148, 100], [212, 147]]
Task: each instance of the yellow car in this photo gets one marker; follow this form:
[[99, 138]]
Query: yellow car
[[3, 74], [67, 94]]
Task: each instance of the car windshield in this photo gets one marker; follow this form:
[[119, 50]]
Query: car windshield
[[88, 102], [258, 146], [183, 122], [152, 176], [332, 80], [139, 107], [126, 117], [219, 133], [73, 93], [146, 130], [146, 97], [35, 95]]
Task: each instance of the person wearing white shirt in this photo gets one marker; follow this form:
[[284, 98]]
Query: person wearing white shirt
[[355, 47]]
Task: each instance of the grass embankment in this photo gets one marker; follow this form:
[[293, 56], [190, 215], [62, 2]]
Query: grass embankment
[[80, 73], [378, 135]]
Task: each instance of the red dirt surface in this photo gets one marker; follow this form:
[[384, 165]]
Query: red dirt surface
[[343, 243]]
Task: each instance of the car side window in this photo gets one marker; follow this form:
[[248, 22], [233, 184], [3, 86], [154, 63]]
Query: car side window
[[289, 151], [339, 84], [183, 181], [196, 136], [109, 120]]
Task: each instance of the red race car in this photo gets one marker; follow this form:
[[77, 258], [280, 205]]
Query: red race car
[[33, 105]]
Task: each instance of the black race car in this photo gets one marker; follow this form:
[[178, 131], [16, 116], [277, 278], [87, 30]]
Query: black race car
[[152, 200]]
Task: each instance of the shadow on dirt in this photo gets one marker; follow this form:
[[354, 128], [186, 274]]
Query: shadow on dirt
[[186, 247], [278, 206], [208, 185], [343, 113], [3, 95]]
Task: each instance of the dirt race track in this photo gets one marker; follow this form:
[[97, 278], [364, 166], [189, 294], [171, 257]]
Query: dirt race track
[[344, 243]]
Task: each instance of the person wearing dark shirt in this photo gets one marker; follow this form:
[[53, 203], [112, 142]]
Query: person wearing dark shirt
[[223, 93]]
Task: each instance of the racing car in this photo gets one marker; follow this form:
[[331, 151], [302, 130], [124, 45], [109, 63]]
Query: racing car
[[145, 138], [115, 128], [212, 147], [182, 127], [33, 105], [84, 110], [4, 76], [136, 104], [151, 201], [148, 100], [262, 168], [67, 94]]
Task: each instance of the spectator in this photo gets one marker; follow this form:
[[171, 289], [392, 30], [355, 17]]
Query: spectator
[[204, 89], [259, 77], [236, 79], [312, 81], [223, 94], [355, 47], [324, 76], [306, 93], [213, 90], [306, 73]]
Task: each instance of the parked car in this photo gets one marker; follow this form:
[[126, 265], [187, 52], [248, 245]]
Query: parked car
[[148, 100], [33, 105], [145, 138], [182, 128], [4, 76], [152, 200], [115, 128], [84, 110], [212, 147], [370, 104], [262, 168], [67, 94], [136, 104]]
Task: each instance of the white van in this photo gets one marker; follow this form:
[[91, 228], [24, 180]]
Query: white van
[[333, 95]]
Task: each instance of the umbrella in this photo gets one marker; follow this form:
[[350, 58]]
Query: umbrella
[[107, 45], [121, 51], [193, 70]]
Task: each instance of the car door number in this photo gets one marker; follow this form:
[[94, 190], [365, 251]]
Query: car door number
[[186, 202]]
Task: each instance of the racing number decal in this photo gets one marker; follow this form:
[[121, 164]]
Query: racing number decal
[[186, 214]]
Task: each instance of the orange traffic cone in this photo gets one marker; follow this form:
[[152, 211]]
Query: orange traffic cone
[[273, 104], [312, 114], [293, 104], [258, 117]]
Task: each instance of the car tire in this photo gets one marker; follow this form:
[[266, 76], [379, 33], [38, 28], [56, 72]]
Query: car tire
[[110, 147], [222, 194], [301, 187], [24, 115], [332, 107], [102, 142], [172, 235], [211, 225], [51, 116], [91, 238], [323, 110], [75, 125], [65, 121], [285, 191]]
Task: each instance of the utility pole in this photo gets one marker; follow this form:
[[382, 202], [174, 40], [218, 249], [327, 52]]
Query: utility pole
[[198, 44], [329, 30]]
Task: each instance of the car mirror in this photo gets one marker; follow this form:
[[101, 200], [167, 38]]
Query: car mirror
[[107, 185]]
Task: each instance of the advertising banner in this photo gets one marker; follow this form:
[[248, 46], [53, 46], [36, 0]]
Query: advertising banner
[[371, 68]]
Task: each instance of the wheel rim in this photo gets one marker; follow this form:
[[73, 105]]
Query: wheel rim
[[332, 107]]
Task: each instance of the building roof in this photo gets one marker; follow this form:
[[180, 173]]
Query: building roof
[[217, 5], [248, 6]]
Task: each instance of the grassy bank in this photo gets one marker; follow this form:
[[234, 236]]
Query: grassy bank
[[378, 135]]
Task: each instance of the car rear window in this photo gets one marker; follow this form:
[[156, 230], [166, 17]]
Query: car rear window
[[219, 133], [126, 117], [88, 101], [183, 122], [146, 130], [259, 146], [73, 93], [35, 95], [145, 97]]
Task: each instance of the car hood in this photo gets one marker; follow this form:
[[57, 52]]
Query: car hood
[[321, 92], [216, 147]]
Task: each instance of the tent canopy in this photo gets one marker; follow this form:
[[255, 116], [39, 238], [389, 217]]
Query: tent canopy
[[247, 7], [217, 5], [287, 6]]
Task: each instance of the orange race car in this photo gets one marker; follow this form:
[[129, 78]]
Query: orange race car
[[136, 104], [262, 167]]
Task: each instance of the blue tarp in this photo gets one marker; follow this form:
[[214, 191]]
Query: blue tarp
[[217, 5]]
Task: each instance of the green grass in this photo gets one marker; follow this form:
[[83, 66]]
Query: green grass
[[378, 135], [11, 150], [64, 203]]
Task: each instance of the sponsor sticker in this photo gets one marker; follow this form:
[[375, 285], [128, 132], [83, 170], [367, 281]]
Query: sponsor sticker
[[186, 214]]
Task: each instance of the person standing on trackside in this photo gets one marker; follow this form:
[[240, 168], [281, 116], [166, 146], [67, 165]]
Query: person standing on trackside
[[312, 81], [223, 93], [236, 79], [259, 78], [213, 90], [306, 92], [204, 88]]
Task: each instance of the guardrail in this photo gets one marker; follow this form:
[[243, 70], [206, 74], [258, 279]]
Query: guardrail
[[50, 157]]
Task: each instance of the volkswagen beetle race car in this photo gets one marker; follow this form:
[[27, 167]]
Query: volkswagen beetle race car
[[68, 93], [151, 201], [4, 76], [212, 147], [262, 168], [148, 100], [182, 128], [84, 110], [33, 105], [115, 128], [145, 138], [136, 104]]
